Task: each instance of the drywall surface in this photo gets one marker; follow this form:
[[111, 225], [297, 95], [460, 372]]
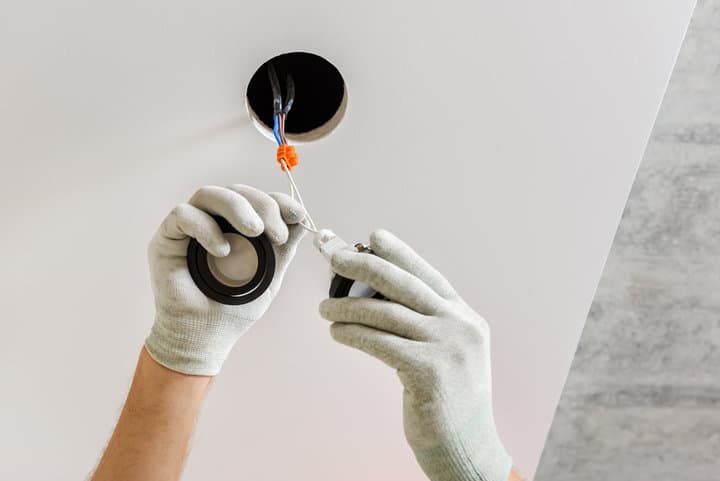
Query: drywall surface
[[500, 139], [642, 400]]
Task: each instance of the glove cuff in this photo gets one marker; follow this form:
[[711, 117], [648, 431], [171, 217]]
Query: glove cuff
[[477, 454], [195, 349]]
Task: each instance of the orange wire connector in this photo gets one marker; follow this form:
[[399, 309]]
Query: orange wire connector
[[287, 153]]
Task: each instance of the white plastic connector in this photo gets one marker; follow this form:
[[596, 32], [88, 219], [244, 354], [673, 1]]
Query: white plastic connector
[[328, 243]]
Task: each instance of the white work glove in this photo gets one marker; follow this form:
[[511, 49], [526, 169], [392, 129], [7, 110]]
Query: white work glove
[[193, 334], [440, 348]]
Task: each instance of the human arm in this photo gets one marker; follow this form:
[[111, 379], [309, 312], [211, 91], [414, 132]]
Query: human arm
[[192, 335], [151, 438], [440, 348]]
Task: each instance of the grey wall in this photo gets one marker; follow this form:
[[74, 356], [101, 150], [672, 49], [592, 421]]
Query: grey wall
[[642, 401]]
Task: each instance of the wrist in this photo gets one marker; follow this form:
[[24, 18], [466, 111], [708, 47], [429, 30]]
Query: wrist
[[157, 389], [456, 461], [190, 346], [473, 453]]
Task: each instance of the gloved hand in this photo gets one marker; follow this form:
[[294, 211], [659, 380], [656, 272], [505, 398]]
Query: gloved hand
[[193, 334], [440, 348]]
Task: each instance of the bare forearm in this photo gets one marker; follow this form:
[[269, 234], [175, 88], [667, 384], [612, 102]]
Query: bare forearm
[[152, 435], [514, 476]]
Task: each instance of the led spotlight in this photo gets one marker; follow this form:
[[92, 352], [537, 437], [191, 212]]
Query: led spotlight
[[343, 287], [238, 278]]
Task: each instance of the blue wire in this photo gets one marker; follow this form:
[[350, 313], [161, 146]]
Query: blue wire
[[276, 129]]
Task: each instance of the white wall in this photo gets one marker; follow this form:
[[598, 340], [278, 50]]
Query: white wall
[[112, 112]]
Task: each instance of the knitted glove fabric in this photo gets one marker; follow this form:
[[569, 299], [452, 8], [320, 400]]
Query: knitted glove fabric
[[440, 348], [193, 334]]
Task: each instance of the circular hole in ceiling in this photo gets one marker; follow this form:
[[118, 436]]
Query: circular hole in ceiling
[[320, 96]]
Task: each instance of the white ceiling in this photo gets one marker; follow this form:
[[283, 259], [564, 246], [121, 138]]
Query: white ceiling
[[498, 138]]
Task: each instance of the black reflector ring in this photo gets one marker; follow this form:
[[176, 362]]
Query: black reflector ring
[[197, 260]]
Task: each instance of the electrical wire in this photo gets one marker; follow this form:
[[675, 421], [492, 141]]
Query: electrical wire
[[280, 112], [275, 85], [281, 130], [290, 90], [294, 190], [276, 129], [295, 193]]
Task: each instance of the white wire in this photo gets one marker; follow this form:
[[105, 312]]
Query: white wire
[[295, 194]]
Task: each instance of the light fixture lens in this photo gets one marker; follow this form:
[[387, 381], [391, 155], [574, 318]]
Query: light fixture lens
[[360, 289], [239, 267]]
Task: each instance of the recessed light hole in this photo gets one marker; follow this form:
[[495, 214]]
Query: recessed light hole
[[320, 96]]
